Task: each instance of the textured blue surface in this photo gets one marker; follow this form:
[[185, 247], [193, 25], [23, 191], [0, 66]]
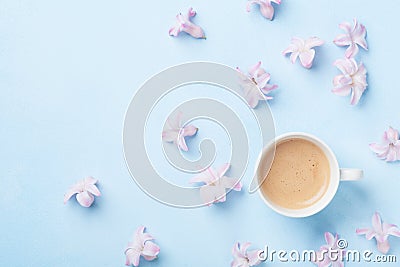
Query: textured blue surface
[[68, 70]]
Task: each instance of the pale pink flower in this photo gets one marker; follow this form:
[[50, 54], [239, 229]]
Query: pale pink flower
[[259, 77], [183, 24], [141, 246], [303, 49], [325, 258], [381, 232], [175, 133], [352, 80], [244, 258], [215, 183], [84, 190], [389, 149], [266, 8], [354, 37]]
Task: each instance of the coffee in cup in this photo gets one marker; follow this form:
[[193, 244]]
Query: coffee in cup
[[299, 174]]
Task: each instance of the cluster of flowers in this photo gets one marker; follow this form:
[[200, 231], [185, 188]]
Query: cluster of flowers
[[184, 23], [353, 78]]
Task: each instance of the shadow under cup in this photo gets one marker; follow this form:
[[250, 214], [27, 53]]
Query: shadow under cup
[[266, 160]]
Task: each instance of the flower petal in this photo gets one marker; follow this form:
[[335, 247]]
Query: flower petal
[[223, 169], [90, 180], [290, 49], [359, 33], [211, 193], [132, 257], [371, 234], [342, 91], [236, 251], [377, 222], [307, 57], [356, 95], [253, 71], [267, 10], [383, 246], [189, 130], [72, 191], [193, 30], [342, 40], [392, 134], [268, 88], [191, 13], [91, 188], [85, 199], [390, 229], [330, 239], [362, 231], [231, 183], [294, 56], [313, 42], [377, 148], [391, 155], [351, 51], [150, 250], [252, 96], [263, 79], [346, 66], [253, 257], [182, 143], [170, 135]]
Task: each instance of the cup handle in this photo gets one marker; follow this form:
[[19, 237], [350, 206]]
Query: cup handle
[[351, 174]]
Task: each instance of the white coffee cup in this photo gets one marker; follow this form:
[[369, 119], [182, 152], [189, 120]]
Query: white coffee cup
[[336, 174]]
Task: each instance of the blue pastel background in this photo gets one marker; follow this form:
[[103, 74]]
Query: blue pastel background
[[68, 70]]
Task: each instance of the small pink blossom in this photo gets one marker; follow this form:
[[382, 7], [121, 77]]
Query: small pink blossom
[[175, 133], [381, 232], [141, 246], [389, 149], [325, 258], [352, 80], [259, 77], [266, 8], [354, 37], [84, 190], [183, 24], [303, 49], [215, 183], [244, 258]]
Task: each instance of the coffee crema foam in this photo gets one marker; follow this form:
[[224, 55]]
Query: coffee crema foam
[[299, 175]]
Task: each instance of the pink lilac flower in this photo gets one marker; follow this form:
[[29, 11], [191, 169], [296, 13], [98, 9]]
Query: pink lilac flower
[[244, 258], [174, 132], [141, 246], [389, 148], [303, 49], [259, 77], [354, 37], [85, 191], [325, 258], [353, 79], [381, 232], [266, 8], [183, 24], [215, 183]]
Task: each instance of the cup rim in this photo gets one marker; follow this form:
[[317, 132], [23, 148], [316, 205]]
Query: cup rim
[[333, 184]]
